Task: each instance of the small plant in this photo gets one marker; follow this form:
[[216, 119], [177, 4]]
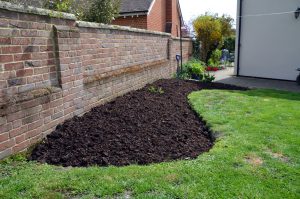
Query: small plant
[[208, 78], [196, 70], [215, 58], [153, 89]]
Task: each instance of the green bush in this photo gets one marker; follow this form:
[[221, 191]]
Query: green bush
[[215, 58], [229, 44], [195, 69], [100, 11]]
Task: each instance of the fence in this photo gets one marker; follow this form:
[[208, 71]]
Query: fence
[[53, 68]]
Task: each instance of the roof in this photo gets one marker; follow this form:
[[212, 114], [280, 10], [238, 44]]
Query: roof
[[135, 6]]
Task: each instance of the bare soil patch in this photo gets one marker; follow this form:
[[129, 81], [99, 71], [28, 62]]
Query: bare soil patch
[[141, 127]]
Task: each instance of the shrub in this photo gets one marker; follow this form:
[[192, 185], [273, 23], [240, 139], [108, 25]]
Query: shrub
[[229, 44], [101, 11], [195, 69], [215, 58]]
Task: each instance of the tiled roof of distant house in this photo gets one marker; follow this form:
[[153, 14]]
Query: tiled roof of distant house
[[135, 6]]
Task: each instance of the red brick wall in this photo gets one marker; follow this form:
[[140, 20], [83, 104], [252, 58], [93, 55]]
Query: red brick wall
[[169, 8], [134, 22], [157, 16], [175, 19], [53, 69]]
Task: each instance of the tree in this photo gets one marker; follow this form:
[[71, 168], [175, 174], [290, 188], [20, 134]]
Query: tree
[[101, 11], [229, 43], [209, 33], [226, 25], [211, 30]]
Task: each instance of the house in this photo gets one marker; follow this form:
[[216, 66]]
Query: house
[[268, 42], [155, 15]]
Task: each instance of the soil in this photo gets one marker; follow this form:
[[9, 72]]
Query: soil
[[146, 126]]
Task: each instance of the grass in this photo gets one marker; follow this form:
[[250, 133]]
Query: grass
[[256, 156]]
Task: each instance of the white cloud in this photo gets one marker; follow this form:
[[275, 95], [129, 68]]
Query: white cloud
[[193, 8]]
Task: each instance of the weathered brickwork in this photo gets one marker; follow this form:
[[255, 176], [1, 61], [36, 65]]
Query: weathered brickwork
[[132, 21], [52, 69]]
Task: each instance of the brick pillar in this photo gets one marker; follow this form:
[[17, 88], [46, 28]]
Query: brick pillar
[[69, 60]]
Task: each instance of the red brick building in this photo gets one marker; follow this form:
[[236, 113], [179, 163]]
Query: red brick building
[[156, 15]]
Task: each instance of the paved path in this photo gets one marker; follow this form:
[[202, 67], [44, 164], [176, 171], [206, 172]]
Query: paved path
[[227, 77]]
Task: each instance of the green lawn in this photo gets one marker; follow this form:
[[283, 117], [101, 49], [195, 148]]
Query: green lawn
[[257, 155]]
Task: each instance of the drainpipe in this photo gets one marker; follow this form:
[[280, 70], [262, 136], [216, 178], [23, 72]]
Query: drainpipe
[[239, 35], [180, 24]]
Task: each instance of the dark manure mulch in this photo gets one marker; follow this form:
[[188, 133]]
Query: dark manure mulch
[[141, 127]]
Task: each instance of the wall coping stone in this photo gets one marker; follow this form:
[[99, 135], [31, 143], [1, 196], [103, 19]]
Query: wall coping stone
[[85, 24], [183, 39], [37, 11]]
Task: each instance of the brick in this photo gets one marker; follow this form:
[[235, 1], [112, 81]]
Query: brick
[[51, 125], [6, 58], [34, 79], [39, 26], [5, 40], [5, 128], [42, 56], [3, 22], [5, 153], [29, 33], [16, 81], [47, 120], [20, 41], [39, 41], [7, 75], [32, 133], [28, 17], [18, 131], [32, 110], [21, 146], [22, 57], [28, 49], [20, 138], [2, 120], [13, 66], [9, 32], [46, 48], [24, 72], [19, 24], [15, 116], [30, 119], [9, 14], [47, 113], [30, 103], [7, 144], [17, 123], [11, 49], [56, 103], [4, 137], [57, 115], [35, 125]]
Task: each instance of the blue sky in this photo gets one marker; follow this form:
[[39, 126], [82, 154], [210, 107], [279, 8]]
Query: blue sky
[[193, 8]]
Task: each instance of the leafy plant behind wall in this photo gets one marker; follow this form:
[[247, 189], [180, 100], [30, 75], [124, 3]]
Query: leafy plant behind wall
[[100, 11]]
